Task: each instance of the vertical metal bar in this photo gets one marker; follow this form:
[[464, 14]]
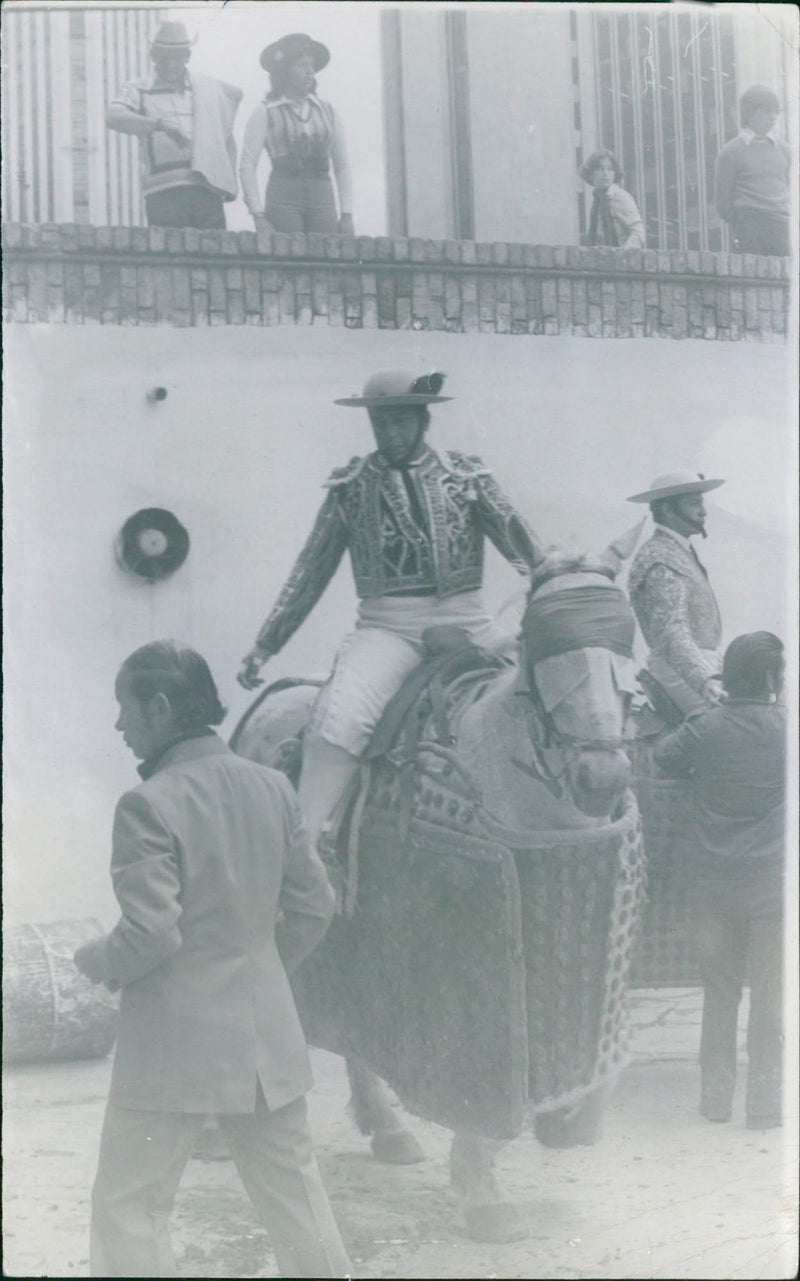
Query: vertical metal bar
[[95, 119], [617, 144], [61, 137], [11, 121], [658, 131], [699, 129], [49, 106], [394, 122], [461, 152], [110, 136], [42, 119], [27, 167], [117, 71], [719, 102], [677, 106], [636, 91]]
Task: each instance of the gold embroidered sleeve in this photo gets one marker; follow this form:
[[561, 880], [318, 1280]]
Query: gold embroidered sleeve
[[667, 629], [313, 570], [496, 513]]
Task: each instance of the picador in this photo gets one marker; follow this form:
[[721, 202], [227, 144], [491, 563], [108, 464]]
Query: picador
[[414, 520], [674, 601]]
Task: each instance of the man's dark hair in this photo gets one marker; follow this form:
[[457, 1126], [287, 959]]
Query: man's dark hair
[[754, 98], [662, 505], [183, 675], [748, 661]]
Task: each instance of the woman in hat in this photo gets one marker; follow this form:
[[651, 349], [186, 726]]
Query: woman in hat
[[302, 136], [615, 219]]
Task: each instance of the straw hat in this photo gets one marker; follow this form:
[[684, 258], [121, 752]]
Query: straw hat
[[673, 483]]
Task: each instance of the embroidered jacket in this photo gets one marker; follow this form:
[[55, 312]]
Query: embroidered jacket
[[416, 530], [676, 607]]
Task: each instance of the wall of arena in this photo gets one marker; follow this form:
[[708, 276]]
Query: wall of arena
[[139, 276], [238, 450]]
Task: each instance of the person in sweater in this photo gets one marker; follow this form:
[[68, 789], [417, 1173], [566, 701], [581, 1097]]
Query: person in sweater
[[752, 179], [735, 756], [303, 138], [221, 898], [615, 219], [184, 123]]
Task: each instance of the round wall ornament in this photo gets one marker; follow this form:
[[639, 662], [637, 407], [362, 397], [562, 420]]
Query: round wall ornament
[[152, 544]]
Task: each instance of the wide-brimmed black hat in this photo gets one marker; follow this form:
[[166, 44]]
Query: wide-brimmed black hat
[[288, 48]]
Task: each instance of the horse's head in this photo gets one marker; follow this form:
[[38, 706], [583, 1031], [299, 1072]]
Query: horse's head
[[577, 657]]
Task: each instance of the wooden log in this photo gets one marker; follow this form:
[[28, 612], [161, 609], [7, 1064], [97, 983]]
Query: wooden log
[[50, 1011]]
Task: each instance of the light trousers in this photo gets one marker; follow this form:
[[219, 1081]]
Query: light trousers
[[144, 1154]]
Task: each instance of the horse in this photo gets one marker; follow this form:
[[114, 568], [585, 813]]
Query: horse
[[534, 771]]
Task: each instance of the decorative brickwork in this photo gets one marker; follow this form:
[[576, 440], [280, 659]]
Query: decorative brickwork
[[145, 276]]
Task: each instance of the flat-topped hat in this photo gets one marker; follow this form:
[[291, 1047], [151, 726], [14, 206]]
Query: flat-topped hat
[[171, 35], [398, 387], [291, 47], [673, 483]]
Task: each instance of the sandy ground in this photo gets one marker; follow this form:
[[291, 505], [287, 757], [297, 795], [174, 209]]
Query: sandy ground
[[663, 1194]]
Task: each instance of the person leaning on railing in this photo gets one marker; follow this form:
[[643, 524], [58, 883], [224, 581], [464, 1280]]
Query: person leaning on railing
[[615, 219], [303, 138], [184, 123]]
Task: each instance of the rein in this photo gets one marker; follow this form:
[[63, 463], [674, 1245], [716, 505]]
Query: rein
[[518, 838], [544, 733]]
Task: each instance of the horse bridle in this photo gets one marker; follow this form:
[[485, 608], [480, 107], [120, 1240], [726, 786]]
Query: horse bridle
[[569, 745]]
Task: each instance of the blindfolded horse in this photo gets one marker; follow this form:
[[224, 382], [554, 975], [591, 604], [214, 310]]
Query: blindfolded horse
[[492, 884]]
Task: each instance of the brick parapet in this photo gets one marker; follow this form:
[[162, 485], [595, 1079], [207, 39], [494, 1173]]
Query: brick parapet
[[78, 274]]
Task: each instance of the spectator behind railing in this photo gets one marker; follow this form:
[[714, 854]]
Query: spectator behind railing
[[735, 756], [753, 178], [302, 135], [184, 123], [615, 219]]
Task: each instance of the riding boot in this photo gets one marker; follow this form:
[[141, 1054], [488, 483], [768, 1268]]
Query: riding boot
[[327, 777]]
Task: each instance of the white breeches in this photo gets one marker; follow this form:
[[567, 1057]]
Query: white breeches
[[373, 661]]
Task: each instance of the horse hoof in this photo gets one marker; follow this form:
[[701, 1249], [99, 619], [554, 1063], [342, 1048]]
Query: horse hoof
[[496, 1223], [555, 1132], [396, 1147]]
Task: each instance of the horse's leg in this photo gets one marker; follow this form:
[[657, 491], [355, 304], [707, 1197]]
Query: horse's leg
[[487, 1215], [570, 1127], [374, 1115]]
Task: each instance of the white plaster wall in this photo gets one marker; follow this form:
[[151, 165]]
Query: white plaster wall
[[522, 127], [239, 450]]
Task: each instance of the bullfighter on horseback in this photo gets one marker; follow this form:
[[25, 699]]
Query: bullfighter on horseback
[[414, 520], [673, 599]]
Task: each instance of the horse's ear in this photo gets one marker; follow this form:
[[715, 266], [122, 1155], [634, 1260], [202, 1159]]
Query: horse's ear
[[624, 546], [525, 543]]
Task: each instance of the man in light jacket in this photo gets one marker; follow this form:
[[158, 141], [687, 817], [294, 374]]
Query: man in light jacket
[[184, 123], [220, 895]]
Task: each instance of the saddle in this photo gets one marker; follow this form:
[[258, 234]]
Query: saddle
[[450, 655]]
